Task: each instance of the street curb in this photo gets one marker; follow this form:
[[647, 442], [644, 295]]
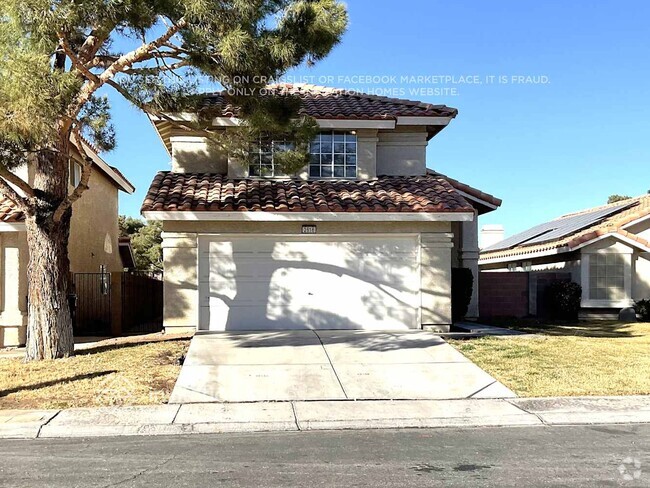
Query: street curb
[[321, 415]]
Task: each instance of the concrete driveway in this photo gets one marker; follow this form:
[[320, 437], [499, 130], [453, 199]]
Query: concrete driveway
[[328, 365]]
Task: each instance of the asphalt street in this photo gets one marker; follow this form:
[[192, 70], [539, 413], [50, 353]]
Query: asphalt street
[[516, 456]]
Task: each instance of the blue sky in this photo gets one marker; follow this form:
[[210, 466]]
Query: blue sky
[[574, 132]]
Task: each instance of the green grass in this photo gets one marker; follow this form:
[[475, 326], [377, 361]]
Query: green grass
[[567, 359]]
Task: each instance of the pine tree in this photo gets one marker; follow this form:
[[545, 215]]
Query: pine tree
[[60, 58]]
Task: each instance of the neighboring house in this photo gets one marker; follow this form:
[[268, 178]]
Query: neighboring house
[[363, 238], [93, 244], [605, 249]]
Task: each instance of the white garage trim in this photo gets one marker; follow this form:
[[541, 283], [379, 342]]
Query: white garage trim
[[350, 281], [260, 216]]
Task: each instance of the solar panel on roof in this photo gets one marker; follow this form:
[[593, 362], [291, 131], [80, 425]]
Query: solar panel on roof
[[557, 229]]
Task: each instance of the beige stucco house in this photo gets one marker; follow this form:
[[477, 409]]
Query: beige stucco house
[[364, 237], [605, 249], [94, 241]]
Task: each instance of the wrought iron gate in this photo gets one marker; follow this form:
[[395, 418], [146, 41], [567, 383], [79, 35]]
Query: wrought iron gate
[[91, 304], [142, 303]]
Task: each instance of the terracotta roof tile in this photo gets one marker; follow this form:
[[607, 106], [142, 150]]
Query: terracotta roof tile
[[335, 103], [471, 191], [9, 213], [639, 207], [187, 192]]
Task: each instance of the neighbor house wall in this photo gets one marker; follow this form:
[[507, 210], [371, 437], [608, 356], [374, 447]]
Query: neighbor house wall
[[181, 294], [94, 229], [641, 281], [13, 288]]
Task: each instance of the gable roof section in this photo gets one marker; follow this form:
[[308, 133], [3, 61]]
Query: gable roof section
[[323, 102], [484, 202], [615, 218], [200, 192], [334, 105], [9, 214]]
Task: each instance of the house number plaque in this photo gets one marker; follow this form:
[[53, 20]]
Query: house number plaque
[[308, 229]]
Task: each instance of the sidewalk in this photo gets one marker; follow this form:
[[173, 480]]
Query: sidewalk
[[321, 415]]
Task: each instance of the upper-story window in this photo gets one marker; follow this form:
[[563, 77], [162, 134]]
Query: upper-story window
[[333, 155], [261, 157], [75, 174]]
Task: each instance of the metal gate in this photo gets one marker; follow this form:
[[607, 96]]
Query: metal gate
[[91, 304], [142, 303]]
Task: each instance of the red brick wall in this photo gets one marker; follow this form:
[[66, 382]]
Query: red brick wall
[[503, 294]]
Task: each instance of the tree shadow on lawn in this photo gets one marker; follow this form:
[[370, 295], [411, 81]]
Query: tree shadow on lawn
[[45, 384], [99, 348], [595, 329]]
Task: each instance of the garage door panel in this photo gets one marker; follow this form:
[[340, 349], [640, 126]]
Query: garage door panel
[[320, 283]]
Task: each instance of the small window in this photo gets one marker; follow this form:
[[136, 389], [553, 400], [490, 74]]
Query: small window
[[606, 277], [261, 160], [75, 174], [512, 266], [333, 155]]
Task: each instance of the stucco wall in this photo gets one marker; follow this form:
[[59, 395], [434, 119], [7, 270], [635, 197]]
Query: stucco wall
[[180, 262], [94, 228], [402, 152], [13, 288], [387, 152], [195, 154], [641, 282]]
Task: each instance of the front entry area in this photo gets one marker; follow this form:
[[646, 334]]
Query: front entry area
[[296, 365], [369, 282]]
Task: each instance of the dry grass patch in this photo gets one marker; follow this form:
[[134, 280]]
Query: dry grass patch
[[568, 359], [140, 371]]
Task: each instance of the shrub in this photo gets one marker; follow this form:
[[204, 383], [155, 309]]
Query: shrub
[[642, 307], [462, 284], [563, 299]]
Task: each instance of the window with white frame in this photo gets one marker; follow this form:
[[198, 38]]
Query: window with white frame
[[333, 154], [607, 277], [75, 174], [261, 157]]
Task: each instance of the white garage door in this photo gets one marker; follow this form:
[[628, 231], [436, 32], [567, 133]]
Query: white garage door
[[301, 282]]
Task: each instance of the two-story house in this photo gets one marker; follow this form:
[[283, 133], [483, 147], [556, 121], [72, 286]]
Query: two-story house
[[365, 237], [94, 243]]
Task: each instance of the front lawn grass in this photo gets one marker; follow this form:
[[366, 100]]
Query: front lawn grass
[[125, 371], [567, 359]]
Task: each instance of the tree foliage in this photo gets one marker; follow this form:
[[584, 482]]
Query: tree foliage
[[60, 58], [617, 198], [146, 242]]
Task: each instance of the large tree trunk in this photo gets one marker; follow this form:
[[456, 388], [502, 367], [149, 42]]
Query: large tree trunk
[[49, 326]]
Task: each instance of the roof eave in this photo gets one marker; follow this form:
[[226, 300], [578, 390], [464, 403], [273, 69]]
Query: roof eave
[[261, 216]]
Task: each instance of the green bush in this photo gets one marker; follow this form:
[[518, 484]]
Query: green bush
[[462, 284], [642, 307], [563, 299]]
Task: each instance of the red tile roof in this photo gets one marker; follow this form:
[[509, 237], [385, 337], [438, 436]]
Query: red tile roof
[[334, 103], [213, 192], [469, 190], [9, 213], [613, 224]]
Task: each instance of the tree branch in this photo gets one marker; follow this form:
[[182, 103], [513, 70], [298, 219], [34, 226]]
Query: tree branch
[[123, 62], [8, 191], [86, 170], [76, 62], [16, 181], [166, 67]]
